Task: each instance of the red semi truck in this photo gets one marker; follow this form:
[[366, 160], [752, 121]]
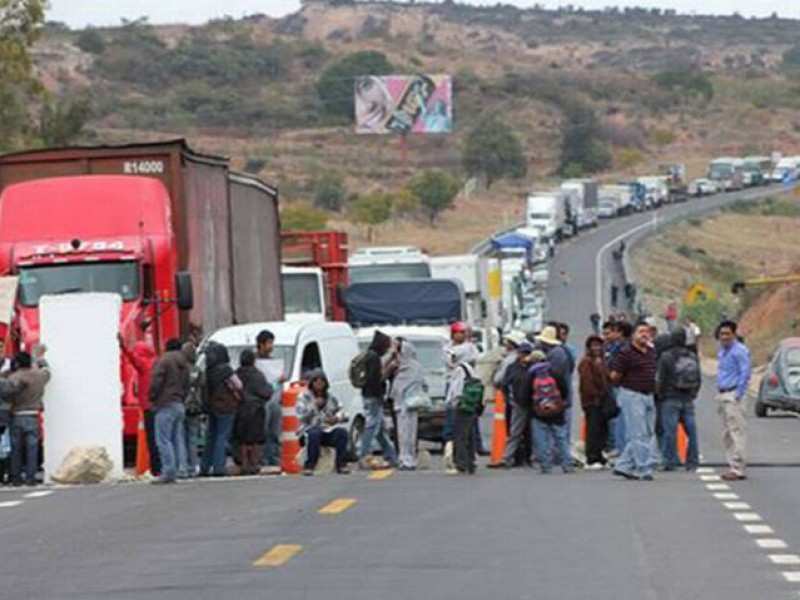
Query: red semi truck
[[189, 245]]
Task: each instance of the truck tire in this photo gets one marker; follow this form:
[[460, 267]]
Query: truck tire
[[760, 409]]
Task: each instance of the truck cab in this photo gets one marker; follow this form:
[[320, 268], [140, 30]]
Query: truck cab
[[390, 263], [303, 294]]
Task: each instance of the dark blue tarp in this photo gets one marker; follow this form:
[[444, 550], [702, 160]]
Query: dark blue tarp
[[512, 240], [415, 301]]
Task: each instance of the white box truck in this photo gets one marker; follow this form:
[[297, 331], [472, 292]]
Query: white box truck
[[585, 198], [546, 211]]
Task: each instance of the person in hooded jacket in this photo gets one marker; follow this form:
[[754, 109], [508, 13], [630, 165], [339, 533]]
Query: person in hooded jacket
[[517, 383], [142, 356], [249, 427], [464, 452], [322, 420], [677, 398], [374, 394], [224, 392], [595, 387], [408, 385]]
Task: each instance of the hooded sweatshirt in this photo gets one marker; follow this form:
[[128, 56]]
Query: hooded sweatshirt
[[375, 386], [463, 357], [142, 356], [665, 377], [409, 380], [310, 415]]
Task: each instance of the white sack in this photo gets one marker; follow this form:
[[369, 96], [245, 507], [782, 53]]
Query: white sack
[[82, 403]]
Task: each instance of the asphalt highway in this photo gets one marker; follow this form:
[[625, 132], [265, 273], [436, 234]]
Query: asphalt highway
[[505, 535]]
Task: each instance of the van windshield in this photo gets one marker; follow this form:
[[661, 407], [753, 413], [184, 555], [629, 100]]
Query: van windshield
[[388, 272], [112, 277], [301, 293]]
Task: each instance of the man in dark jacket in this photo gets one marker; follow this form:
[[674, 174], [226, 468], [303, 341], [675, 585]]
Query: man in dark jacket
[[273, 410], [677, 385], [168, 389], [518, 384], [373, 393], [27, 384], [249, 427]]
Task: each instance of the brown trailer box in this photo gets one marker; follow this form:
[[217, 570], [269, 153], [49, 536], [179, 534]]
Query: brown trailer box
[[201, 215]]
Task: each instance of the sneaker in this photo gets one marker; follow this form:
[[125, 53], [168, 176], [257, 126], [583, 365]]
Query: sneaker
[[271, 470], [452, 471], [732, 476], [597, 466], [569, 471], [624, 475], [343, 471], [406, 468], [646, 478], [308, 472], [162, 482], [498, 465]]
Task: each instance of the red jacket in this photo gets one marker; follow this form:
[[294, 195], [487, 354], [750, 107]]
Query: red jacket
[[142, 357]]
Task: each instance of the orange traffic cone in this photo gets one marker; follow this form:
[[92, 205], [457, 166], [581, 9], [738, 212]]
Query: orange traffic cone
[[683, 443], [290, 444], [142, 453], [499, 433]]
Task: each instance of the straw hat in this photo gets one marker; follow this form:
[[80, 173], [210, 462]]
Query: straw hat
[[549, 336]]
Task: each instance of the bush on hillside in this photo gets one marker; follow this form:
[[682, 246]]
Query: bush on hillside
[[685, 84], [493, 152], [330, 193], [303, 218], [91, 41]]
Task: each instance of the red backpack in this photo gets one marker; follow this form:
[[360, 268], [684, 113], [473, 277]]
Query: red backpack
[[547, 400]]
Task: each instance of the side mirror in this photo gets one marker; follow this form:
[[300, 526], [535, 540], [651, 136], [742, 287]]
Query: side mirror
[[184, 291]]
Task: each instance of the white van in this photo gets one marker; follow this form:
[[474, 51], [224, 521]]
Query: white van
[[303, 347]]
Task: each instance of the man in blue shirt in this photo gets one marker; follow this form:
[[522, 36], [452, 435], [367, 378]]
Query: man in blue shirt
[[733, 377]]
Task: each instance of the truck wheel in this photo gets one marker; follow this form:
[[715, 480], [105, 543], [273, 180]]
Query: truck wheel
[[356, 433], [761, 409]]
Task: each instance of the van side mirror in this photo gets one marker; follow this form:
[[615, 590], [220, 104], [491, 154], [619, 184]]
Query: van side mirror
[[184, 291]]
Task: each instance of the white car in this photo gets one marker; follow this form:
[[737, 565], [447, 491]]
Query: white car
[[302, 347], [703, 187]]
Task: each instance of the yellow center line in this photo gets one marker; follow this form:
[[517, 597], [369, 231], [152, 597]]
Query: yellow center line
[[382, 474], [278, 555], [338, 506]]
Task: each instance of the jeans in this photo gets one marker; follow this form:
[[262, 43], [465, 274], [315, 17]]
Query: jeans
[[220, 427], [24, 439], [337, 439], [273, 424], [191, 431], [449, 423], [545, 436], [152, 447], [641, 451], [375, 427], [596, 434], [464, 441], [672, 413], [520, 422], [170, 440]]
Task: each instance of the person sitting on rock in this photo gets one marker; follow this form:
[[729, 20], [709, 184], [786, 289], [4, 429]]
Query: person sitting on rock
[[321, 423]]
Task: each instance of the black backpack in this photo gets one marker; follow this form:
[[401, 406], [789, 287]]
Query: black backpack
[[687, 376]]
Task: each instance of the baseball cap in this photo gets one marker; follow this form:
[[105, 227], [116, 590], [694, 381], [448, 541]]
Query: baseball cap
[[525, 348], [458, 327]]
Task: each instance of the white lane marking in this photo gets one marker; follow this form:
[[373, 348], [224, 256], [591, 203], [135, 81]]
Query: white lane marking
[[737, 505], [40, 494], [710, 478], [747, 516], [792, 576], [716, 487], [759, 529], [726, 496], [10, 503], [598, 261], [771, 543], [704, 470], [785, 559]]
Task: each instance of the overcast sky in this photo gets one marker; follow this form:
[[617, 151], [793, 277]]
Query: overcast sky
[[79, 13]]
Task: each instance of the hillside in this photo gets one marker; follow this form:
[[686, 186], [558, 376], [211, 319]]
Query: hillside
[[656, 87]]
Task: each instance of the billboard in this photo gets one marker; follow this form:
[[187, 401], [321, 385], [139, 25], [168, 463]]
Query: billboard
[[404, 104]]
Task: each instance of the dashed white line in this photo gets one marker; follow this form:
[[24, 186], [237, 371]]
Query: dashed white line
[[726, 496], [785, 559], [759, 529], [710, 478], [704, 470], [737, 505], [747, 517], [792, 576], [771, 543], [10, 503], [716, 487], [39, 494]]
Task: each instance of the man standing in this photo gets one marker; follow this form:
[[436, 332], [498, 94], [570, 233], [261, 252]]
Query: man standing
[[634, 370], [677, 384], [29, 381], [458, 337], [168, 389], [373, 394], [733, 377], [273, 410], [518, 397]]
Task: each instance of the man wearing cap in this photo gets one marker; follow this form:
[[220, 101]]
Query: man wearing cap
[[518, 385], [561, 363], [513, 340], [459, 342]]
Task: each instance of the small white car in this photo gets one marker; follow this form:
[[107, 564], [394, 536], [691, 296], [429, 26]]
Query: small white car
[[703, 187]]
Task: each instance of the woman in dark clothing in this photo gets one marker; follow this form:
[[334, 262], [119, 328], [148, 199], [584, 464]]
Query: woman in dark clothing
[[249, 430], [594, 387]]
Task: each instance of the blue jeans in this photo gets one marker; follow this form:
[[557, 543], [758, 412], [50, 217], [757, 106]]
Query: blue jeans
[[273, 425], [218, 433], [449, 423], [191, 431], [24, 440], [375, 427], [547, 435], [672, 413], [170, 440], [641, 450]]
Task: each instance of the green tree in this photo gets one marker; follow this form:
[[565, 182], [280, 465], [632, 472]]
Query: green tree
[[436, 191], [493, 152], [406, 204], [63, 120], [791, 59], [20, 24], [300, 217], [582, 151], [371, 210], [91, 41], [335, 85], [330, 193]]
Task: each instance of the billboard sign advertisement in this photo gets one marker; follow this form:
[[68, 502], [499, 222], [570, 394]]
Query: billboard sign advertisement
[[404, 104]]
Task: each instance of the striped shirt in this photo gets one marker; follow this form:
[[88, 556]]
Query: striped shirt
[[637, 369]]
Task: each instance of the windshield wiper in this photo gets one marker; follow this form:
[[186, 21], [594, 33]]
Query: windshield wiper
[[74, 290]]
